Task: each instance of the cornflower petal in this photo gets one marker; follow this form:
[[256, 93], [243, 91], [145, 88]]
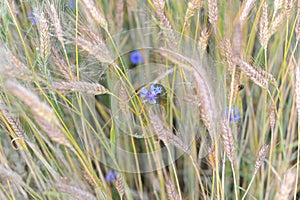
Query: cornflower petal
[[111, 176], [143, 92], [234, 114], [136, 57]]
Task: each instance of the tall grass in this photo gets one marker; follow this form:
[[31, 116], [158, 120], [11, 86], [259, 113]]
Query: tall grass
[[149, 99]]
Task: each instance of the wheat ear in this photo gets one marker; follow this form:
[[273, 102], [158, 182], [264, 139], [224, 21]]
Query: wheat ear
[[193, 6], [228, 140], [287, 185], [74, 192], [43, 114], [80, 86], [96, 13], [264, 26]]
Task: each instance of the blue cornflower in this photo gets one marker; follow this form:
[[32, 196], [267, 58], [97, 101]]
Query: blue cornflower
[[136, 57], [32, 19], [111, 176], [151, 95], [72, 4], [234, 114]]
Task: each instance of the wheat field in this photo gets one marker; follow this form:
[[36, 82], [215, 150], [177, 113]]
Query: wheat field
[[149, 99]]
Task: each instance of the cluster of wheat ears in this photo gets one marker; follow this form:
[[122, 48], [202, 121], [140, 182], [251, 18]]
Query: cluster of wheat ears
[[210, 111]]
